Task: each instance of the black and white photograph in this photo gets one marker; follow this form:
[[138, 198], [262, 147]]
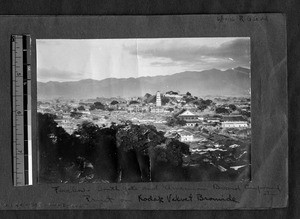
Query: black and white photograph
[[144, 110]]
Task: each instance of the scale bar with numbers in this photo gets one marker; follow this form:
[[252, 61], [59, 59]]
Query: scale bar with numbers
[[21, 105]]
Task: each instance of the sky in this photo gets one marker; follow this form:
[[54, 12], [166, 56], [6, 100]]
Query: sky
[[73, 60]]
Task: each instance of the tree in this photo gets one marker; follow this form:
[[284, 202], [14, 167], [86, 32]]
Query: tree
[[164, 100], [81, 108], [188, 94], [114, 102], [87, 132], [75, 114], [133, 142], [54, 143], [175, 150], [167, 159], [89, 154], [189, 98], [97, 105], [47, 133], [92, 107], [133, 102], [222, 110], [246, 113], [202, 107], [98, 146], [232, 107], [203, 104], [208, 102], [146, 155], [147, 95]]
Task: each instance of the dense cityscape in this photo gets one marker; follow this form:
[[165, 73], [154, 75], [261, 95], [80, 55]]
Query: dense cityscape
[[215, 130]]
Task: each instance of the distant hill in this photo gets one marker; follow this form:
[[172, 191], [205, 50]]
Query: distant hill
[[232, 82]]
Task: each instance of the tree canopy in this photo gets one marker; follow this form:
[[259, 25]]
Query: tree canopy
[[97, 153], [114, 102], [133, 102], [202, 104], [81, 108], [75, 114], [222, 110], [173, 121], [232, 107], [97, 105]]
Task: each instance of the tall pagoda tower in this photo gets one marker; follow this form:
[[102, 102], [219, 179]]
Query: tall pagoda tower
[[158, 99]]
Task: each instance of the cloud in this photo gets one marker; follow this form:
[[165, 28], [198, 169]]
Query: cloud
[[165, 64], [70, 60], [234, 52]]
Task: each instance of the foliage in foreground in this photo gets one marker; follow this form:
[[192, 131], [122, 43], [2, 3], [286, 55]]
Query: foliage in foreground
[[119, 153]]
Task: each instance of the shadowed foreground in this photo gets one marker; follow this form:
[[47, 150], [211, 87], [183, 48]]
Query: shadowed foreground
[[126, 153]]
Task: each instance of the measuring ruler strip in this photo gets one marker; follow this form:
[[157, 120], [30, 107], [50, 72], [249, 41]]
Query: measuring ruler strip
[[22, 129]]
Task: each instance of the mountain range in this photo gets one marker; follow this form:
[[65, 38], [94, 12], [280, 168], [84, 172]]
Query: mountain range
[[214, 82]]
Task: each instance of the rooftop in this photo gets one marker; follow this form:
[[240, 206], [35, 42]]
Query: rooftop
[[187, 113], [232, 118], [185, 132]]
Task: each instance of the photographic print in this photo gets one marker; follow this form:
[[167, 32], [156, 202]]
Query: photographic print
[[144, 110]]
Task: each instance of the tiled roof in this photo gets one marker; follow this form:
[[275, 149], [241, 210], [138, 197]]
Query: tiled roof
[[187, 113], [192, 121], [184, 132], [233, 118]]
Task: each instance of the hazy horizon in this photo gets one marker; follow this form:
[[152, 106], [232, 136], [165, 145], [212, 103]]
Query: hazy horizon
[[140, 76], [65, 60]]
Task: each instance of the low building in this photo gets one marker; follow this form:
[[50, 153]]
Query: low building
[[121, 106], [192, 123], [190, 106], [234, 122], [190, 118], [186, 136], [145, 109], [86, 112], [134, 108], [157, 110], [173, 94], [212, 119]]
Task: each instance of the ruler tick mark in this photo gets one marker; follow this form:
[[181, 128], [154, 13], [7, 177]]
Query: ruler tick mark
[[20, 45]]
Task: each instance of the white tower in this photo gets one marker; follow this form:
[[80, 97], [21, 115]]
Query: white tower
[[158, 99]]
